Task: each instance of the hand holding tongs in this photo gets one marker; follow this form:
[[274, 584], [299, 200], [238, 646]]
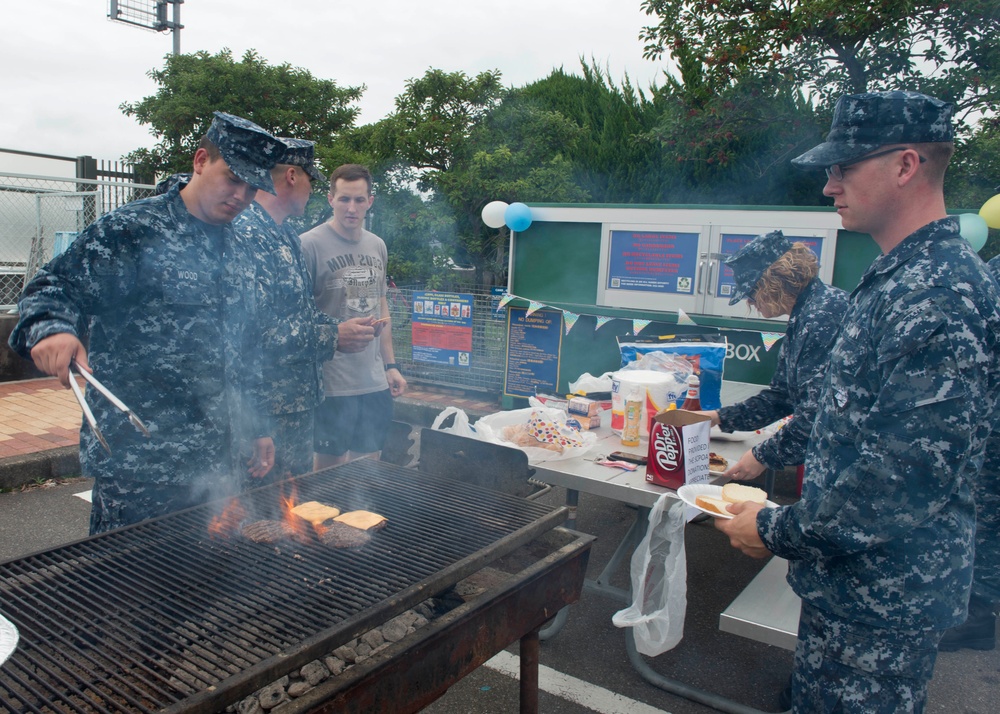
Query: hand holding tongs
[[89, 415]]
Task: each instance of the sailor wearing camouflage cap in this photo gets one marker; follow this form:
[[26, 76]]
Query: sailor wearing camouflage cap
[[294, 338], [781, 278], [750, 262], [165, 292], [863, 123], [301, 153], [248, 150], [881, 544]]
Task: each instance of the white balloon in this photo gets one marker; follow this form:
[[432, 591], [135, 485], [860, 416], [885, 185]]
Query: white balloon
[[493, 214]]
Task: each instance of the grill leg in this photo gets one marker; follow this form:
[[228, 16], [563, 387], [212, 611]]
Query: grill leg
[[529, 673]]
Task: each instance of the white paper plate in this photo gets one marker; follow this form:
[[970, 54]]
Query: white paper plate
[[8, 638], [690, 491]]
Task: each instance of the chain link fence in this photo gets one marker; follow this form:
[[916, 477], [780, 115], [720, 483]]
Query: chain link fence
[[489, 343], [41, 215]]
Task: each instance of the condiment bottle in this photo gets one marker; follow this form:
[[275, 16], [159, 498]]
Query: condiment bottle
[[633, 417], [693, 401]]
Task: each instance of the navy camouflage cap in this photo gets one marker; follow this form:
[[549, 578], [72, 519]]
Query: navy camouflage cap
[[864, 122], [248, 150], [299, 152], [750, 262], [173, 180]]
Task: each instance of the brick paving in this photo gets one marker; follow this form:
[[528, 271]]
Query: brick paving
[[38, 414]]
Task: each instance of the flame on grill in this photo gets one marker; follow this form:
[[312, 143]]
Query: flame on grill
[[234, 516], [302, 528], [228, 522]]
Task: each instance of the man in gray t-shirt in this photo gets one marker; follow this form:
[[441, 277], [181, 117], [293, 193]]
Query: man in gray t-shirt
[[348, 268]]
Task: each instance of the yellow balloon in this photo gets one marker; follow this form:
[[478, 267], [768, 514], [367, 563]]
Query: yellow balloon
[[991, 212]]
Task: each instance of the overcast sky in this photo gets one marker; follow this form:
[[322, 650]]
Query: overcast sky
[[66, 67]]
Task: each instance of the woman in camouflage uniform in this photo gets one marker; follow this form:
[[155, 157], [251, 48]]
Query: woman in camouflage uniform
[[780, 278]]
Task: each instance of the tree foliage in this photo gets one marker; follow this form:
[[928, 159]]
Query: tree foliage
[[285, 100], [434, 116], [826, 48], [758, 80], [734, 146], [465, 141], [614, 158]]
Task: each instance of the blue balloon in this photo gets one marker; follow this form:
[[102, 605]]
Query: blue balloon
[[974, 229], [517, 217]]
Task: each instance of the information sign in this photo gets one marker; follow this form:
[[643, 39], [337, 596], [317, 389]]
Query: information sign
[[533, 345], [653, 261], [442, 328]]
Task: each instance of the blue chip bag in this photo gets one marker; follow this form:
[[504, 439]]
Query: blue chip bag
[[705, 352]]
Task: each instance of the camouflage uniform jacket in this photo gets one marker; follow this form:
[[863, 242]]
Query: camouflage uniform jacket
[[883, 532], [295, 338], [986, 582], [163, 300], [798, 378]]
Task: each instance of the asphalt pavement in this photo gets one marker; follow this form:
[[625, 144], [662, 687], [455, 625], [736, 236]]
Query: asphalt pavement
[[585, 668]]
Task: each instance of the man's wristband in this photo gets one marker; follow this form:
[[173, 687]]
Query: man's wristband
[[391, 365]]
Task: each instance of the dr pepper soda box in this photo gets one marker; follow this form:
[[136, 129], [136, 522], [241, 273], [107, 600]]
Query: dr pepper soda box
[[678, 449]]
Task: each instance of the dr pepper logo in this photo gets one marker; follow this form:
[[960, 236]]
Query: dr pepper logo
[[667, 447]]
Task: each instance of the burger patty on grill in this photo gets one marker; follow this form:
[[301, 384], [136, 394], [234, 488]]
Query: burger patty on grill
[[341, 535], [267, 531]]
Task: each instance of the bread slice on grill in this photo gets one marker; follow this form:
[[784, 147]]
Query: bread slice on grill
[[365, 520], [315, 512], [341, 535]]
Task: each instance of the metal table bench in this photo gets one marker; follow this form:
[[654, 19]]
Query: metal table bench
[[767, 610]]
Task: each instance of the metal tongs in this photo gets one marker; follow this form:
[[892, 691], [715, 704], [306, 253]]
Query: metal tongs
[[89, 415]]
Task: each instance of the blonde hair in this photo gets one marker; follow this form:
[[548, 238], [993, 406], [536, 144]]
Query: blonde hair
[[785, 279]]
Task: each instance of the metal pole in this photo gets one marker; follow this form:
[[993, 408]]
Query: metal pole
[[529, 673], [177, 26]]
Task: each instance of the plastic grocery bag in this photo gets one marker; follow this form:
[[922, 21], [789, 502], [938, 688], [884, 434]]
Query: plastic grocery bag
[[706, 353], [460, 426], [659, 582], [588, 383]]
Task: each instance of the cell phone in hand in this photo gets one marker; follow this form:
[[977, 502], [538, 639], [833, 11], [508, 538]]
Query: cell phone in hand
[[630, 458]]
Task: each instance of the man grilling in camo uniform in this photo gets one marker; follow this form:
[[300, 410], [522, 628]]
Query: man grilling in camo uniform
[[163, 291]]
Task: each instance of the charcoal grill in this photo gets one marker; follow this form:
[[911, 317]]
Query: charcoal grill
[[162, 617]]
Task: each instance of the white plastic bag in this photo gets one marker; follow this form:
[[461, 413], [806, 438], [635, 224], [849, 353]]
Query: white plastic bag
[[588, 383], [659, 582], [460, 427]]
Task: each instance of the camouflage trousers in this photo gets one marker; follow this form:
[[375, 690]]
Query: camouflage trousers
[[986, 577], [121, 502], [843, 666], [293, 445]]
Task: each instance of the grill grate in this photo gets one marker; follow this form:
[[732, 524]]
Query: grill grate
[[161, 616]]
